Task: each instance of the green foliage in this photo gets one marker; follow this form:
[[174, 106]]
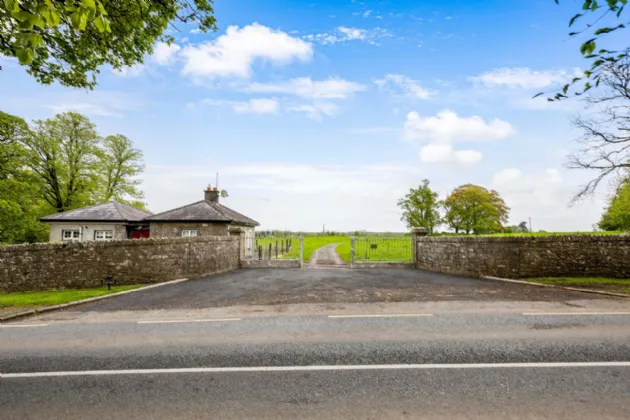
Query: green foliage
[[56, 165], [589, 17], [471, 208], [67, 41], [617, 214], [421, 207]]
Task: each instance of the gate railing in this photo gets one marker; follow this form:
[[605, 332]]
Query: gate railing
[[381, 249], [274, 248]]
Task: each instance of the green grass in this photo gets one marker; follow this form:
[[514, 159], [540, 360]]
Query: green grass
[[600, 283], [556, 233], [57, 297], [396, 249], [311, 243]]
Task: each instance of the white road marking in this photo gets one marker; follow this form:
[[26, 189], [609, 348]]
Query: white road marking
[[380, 316], [22, 325], [314, 368], [180, 321], [576, 313]]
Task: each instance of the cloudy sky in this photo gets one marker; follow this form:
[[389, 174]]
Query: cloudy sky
[[327, 112]]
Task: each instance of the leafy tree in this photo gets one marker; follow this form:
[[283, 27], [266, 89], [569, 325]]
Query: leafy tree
[[617, 214], [421, 207], [471, 208], [12, 132], [118, 165], [589, 23], [62, 154], [523, 227], [68, 40]]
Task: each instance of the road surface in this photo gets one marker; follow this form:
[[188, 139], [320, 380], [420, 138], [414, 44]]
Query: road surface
[[444, 360]]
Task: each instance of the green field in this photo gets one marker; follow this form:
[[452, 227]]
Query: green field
[[396, 249], [57, 297], [598, 283], [311, 243], [555, 233]]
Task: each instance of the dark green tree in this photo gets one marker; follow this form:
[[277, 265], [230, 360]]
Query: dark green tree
[[471, 208], [421, 207], [69, 40]]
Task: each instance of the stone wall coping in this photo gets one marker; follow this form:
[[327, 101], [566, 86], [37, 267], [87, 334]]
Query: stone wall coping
[[550, 238], [124, 242]]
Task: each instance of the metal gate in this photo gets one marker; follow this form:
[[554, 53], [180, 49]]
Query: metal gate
[[286, 250], [378, 249]]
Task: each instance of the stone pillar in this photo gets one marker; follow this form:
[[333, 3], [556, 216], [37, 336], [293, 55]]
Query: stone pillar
[[415, 234], [301, 251]]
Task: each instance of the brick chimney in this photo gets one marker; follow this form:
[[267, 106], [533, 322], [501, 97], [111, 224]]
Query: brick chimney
[[211, 194]]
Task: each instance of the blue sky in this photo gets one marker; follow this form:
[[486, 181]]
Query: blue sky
[[327, 112]]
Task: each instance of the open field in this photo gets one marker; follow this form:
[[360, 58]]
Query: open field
[[377, 248], [596, 283], [311, 243]]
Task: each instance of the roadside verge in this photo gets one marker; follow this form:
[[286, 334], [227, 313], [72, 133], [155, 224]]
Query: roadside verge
[[556, 286]]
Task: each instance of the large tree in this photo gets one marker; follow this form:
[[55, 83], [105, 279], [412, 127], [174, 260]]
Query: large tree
[[471, 208], [421, 207], [605, 140], [119, 164], [63, 155], [69, 40], [595, 22], [617, 214]]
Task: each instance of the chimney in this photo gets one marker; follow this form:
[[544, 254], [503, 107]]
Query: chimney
[[211, 194]]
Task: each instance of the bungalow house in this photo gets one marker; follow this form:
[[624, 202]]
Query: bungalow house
[[101, 222], [202, 218]]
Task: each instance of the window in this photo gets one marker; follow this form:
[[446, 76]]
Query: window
[[188, 233], [71, 235], [103, 235]]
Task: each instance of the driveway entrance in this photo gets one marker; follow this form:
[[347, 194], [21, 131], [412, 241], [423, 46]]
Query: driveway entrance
[[287, 286]]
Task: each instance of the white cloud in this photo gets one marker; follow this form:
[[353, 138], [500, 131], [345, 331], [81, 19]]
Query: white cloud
[[234, 53], [260, 106], [332, 88], [318, 110], [398, 84], [367, 13], [164, 54], [101, 103], [345, 34], [131, 71], [444, 153], [523, 77], [195, 31], [447, 126]]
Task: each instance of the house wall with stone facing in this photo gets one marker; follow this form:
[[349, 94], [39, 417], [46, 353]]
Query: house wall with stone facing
[[84, 264], [527, 256], [174, 229]]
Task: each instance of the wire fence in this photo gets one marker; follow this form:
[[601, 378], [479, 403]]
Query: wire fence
[[383, 249]]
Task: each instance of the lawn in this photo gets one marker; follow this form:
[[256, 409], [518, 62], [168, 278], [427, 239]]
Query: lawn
[[311, 243], [598, 283], [557, 233], [57, 297], [396, 249]]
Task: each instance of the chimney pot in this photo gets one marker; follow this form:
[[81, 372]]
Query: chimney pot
[[211, 194]]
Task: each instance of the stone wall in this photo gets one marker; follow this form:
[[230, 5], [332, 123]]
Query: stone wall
[[174, 229], [84, 264], [527, 256]]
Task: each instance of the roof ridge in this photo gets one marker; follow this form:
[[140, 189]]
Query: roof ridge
[[175, 209]]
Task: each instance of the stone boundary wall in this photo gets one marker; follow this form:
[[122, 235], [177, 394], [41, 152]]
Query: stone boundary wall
[[527, 256], [83, 264]]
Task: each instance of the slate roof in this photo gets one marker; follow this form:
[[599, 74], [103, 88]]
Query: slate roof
[[203, 211], [112, 211]]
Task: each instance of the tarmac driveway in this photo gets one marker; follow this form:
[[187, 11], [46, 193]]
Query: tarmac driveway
[[284, 286]]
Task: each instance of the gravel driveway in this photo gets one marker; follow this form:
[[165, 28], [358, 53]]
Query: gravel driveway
[[284, 286]]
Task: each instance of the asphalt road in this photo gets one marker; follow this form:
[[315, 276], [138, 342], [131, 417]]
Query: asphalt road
[[293, 286], [453, 386]]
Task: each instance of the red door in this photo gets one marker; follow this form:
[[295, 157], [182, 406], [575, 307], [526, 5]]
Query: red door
[[140, 234]]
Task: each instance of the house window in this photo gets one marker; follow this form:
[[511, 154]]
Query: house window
[[189, 233], [103, 235], [71, 234]]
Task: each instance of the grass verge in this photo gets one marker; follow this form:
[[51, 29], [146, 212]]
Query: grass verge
[[57, 297], [595, 283]]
